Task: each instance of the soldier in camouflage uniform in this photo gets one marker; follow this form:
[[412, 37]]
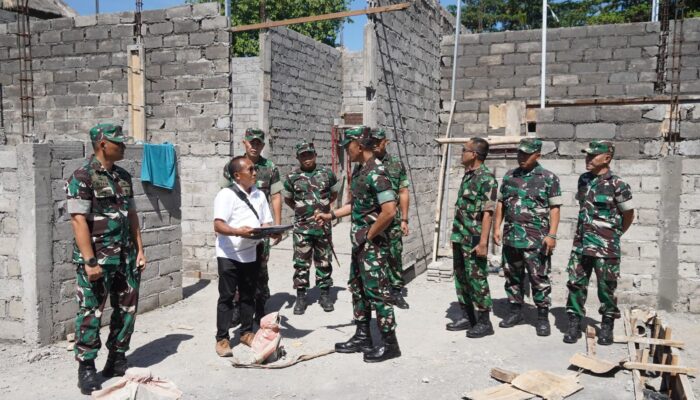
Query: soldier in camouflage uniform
[[308, 190], [396, 172], [529, 198], [372, 208], [606, 212], [476, 202], [108, 253], [268, 181]]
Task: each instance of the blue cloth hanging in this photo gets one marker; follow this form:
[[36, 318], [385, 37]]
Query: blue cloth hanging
[[158, 166]]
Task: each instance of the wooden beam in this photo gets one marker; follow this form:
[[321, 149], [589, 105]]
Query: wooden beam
[[441, 182], [636, 381], [503, 375], [649, 341], [660, 368], [611, 101], [136, 92], [493, 140], [324, 17]]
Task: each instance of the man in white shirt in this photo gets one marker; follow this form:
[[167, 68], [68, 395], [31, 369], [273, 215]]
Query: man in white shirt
[[238, 211]]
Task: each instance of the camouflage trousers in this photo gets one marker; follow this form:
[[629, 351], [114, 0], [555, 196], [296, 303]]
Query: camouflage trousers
[[607, 271], [369, 284], [471, 278], [318, 248], [395, 264], [119, 283], [537, 265]]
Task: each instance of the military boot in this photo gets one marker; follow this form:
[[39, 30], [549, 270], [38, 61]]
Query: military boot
[[605, 336], [542, 327], [361, 341], [464, 322], [115, 365], [573, 332], [325, 300], [398, 299], [87, 377], [388, 349], [300, 304], [514, 318], [483, 326]]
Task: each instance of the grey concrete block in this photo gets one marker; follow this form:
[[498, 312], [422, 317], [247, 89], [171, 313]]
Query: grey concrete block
[[501, 48], [560, 80], [596, 131], [630, 52], [571, 148], [152, 16], [640, 89], [176, 41], [186, 25], [623, 77], [216, 23], [85, 20], [641, 131], [575, 114], [97, 32], [205, 10], [689, 148], [553, 131]]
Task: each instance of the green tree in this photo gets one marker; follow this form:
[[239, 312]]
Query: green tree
[[244, 12]]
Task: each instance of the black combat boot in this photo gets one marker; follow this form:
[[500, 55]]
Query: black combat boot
[[464, 322], [483, 326], [300, 304], [573, 332], [514, 318], [398, 299], [361, 341], [605, 336], [87, 377], [115, 365], [325, 300], [236, 320], [387, 349], [542, 327]]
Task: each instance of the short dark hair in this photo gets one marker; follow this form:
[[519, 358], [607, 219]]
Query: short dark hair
[[235, 165], [481, 148], [369, 142]]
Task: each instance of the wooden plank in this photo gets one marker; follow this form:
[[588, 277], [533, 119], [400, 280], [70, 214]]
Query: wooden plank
[[649, 341], [441, 183], [546, 384], [662, 99], [323, 17], [503, 375], [644, 359], [660, 368], [590, 340], [493, 140], [636, 382], [591, 363], [136, 92], [500, 392]]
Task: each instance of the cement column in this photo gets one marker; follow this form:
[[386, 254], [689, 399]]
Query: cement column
[[266, 90], [670, 169], [369, 57], [35, 239]]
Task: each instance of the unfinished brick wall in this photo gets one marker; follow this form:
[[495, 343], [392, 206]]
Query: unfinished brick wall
[[353, 82], [246, 75], [11, 292]]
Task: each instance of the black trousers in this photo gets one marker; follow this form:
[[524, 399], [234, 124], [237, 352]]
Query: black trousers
[[234, 274]]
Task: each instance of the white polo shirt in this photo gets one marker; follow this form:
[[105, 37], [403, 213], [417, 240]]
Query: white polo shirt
[[229, 208]]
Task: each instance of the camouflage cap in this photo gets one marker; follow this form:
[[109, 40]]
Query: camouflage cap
[[305, 147], [599, 147], [530, 145], [378, 134], [252, 134], [355, 133], [110, 132]]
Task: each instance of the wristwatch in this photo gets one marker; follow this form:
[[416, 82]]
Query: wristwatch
[[91, 262]]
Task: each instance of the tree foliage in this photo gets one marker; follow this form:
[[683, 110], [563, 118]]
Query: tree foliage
[[244, 12], [502, 15]]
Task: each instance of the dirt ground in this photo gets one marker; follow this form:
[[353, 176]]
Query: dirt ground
[[177, 342]]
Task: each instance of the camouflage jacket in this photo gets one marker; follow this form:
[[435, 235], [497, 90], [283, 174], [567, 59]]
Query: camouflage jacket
[[396, 172], [370, 189], [477, 194], [310, 192], [105, 197], [601, 199], [527, 197]]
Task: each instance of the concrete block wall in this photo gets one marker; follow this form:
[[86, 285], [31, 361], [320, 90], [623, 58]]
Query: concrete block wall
[[402, 54], [11, 285], [246, 75], [353, 82], [688, 246]]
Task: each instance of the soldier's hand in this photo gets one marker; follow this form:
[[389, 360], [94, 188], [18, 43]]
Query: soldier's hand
[[141, 261], [322, 218], [404, 228], [549, 245], [481, 250], [497, 237], [93, 273], [276, 238]]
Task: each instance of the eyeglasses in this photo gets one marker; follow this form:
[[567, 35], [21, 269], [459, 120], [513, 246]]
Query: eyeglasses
[[466, 150]]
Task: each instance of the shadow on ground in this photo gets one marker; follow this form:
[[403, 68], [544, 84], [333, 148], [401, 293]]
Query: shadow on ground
[[158, 350], [188, 291]]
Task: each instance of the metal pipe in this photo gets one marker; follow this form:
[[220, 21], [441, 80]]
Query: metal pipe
[[543, 77], [655, 11], [227, 8], [97, 6], [446, 188]]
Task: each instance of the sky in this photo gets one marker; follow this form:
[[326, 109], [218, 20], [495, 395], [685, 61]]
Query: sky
[[352, 32]]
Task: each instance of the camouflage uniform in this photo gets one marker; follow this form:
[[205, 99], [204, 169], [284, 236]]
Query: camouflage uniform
[[105, 198], [311, 192], [527, 197], [602, 199], [396, 172], [477, 194]]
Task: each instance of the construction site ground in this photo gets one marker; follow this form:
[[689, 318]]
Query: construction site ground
[[177, 342]]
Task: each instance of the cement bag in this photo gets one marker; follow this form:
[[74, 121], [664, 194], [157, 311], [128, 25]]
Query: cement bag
[[139, 384], [267, 338]]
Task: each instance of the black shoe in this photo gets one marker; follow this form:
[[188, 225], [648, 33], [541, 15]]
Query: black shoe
[[483, 326], [361, 341], [300, 304], [115, 365], [542, 327], [87, 377], [388, 349], [236, 320], [325, 300], [605, 336], [573, 332], [464, 322], [514, 318], [398, 299]]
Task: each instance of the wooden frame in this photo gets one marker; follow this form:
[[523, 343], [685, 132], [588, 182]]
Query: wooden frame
[[136, 92]]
